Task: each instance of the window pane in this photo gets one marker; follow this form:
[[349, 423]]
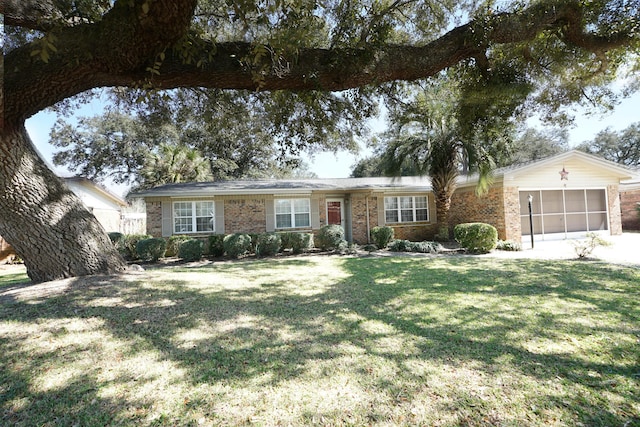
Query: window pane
[[406, 215], [301, 205], [391, 216], [302, 220], [183, 225], [283, 206], [204, 224], [182, 209], [421, 202], [390, 203], [204, 209], [406, 202], [422, 215], [283, 221]]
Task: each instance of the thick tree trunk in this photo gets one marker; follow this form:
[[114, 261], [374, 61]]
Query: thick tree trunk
[[48, 226], [443, 205]]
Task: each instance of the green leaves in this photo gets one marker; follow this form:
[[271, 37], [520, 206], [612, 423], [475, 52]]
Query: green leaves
[[44, 47]]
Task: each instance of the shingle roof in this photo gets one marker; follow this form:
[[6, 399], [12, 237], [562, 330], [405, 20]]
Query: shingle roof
[[287, 186]]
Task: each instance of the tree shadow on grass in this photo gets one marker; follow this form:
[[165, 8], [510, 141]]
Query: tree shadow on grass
[[268, 332]]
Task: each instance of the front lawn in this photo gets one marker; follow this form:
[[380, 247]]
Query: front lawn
[[327, 341]]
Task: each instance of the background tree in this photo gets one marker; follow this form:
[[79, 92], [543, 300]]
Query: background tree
[[532, 144], [119, 146], [622, 147], [555, 53]]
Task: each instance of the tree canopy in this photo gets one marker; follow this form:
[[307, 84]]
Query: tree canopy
[[622, 147], [328, 60]]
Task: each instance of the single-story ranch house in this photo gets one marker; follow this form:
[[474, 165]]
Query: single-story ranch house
[[572, 193]]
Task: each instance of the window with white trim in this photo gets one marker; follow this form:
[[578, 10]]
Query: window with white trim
[[406, 209], [293, 213], [193, 217]]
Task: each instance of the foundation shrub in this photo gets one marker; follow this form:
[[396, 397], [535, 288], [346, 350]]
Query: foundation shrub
[[236, 245], [128, 250], [399, 245], [425, 247], [476, 237], [331, 237], [215, 243], [301, 242], [191, 250], [173, 245], [268, 244], [151, 249], [382, 236]]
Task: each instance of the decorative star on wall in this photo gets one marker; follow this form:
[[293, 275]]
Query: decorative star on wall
[[564, 175]]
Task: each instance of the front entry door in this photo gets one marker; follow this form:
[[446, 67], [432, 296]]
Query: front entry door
[[335, 212]]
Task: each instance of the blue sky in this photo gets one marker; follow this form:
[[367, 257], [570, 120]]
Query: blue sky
[[339, 165]]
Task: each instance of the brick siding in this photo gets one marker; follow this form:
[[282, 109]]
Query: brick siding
[[415, 232], [245, 216], [512, 222], [615, 217], [629, 201], [359, 218], [154, 219], [490, 208]]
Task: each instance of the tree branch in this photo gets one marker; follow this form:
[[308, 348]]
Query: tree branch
[[122, 50], [36, 15]]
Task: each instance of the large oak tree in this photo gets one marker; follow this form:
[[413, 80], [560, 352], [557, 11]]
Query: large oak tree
[[58, 49]]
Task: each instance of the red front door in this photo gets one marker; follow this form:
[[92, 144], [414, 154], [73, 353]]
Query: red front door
[[334, 213]]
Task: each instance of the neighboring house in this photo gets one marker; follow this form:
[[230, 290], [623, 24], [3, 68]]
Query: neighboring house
[[104, 205], [572, 193], [630, 203]]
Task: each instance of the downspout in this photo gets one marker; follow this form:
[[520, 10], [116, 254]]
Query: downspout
[[366, 199]]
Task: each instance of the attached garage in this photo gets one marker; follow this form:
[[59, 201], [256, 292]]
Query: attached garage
[[571, 194], [559, 213]]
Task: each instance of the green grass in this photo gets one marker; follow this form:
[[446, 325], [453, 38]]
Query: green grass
[[12, 275], [327, 341]]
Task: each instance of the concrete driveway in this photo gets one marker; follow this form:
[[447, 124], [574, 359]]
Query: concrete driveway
[[624, 249]]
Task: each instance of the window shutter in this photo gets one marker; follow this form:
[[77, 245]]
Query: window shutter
[[315, 214], [381, 217], [271, 216], [219, 212], [167, 219]]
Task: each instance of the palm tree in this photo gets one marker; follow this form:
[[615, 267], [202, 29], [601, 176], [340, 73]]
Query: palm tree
[[173, 164], [436, 154]]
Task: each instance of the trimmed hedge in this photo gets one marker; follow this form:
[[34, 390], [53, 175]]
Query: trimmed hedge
[[116, 238], [215, 243], [151, 249], [382, 236], [301, 242], [331, 237], [126, 243], [174, 243], [476, 237], [400, 245], [236, 245], [191, 250], [268, 244]]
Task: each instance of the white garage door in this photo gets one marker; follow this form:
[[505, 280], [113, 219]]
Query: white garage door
[[560, 212]]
